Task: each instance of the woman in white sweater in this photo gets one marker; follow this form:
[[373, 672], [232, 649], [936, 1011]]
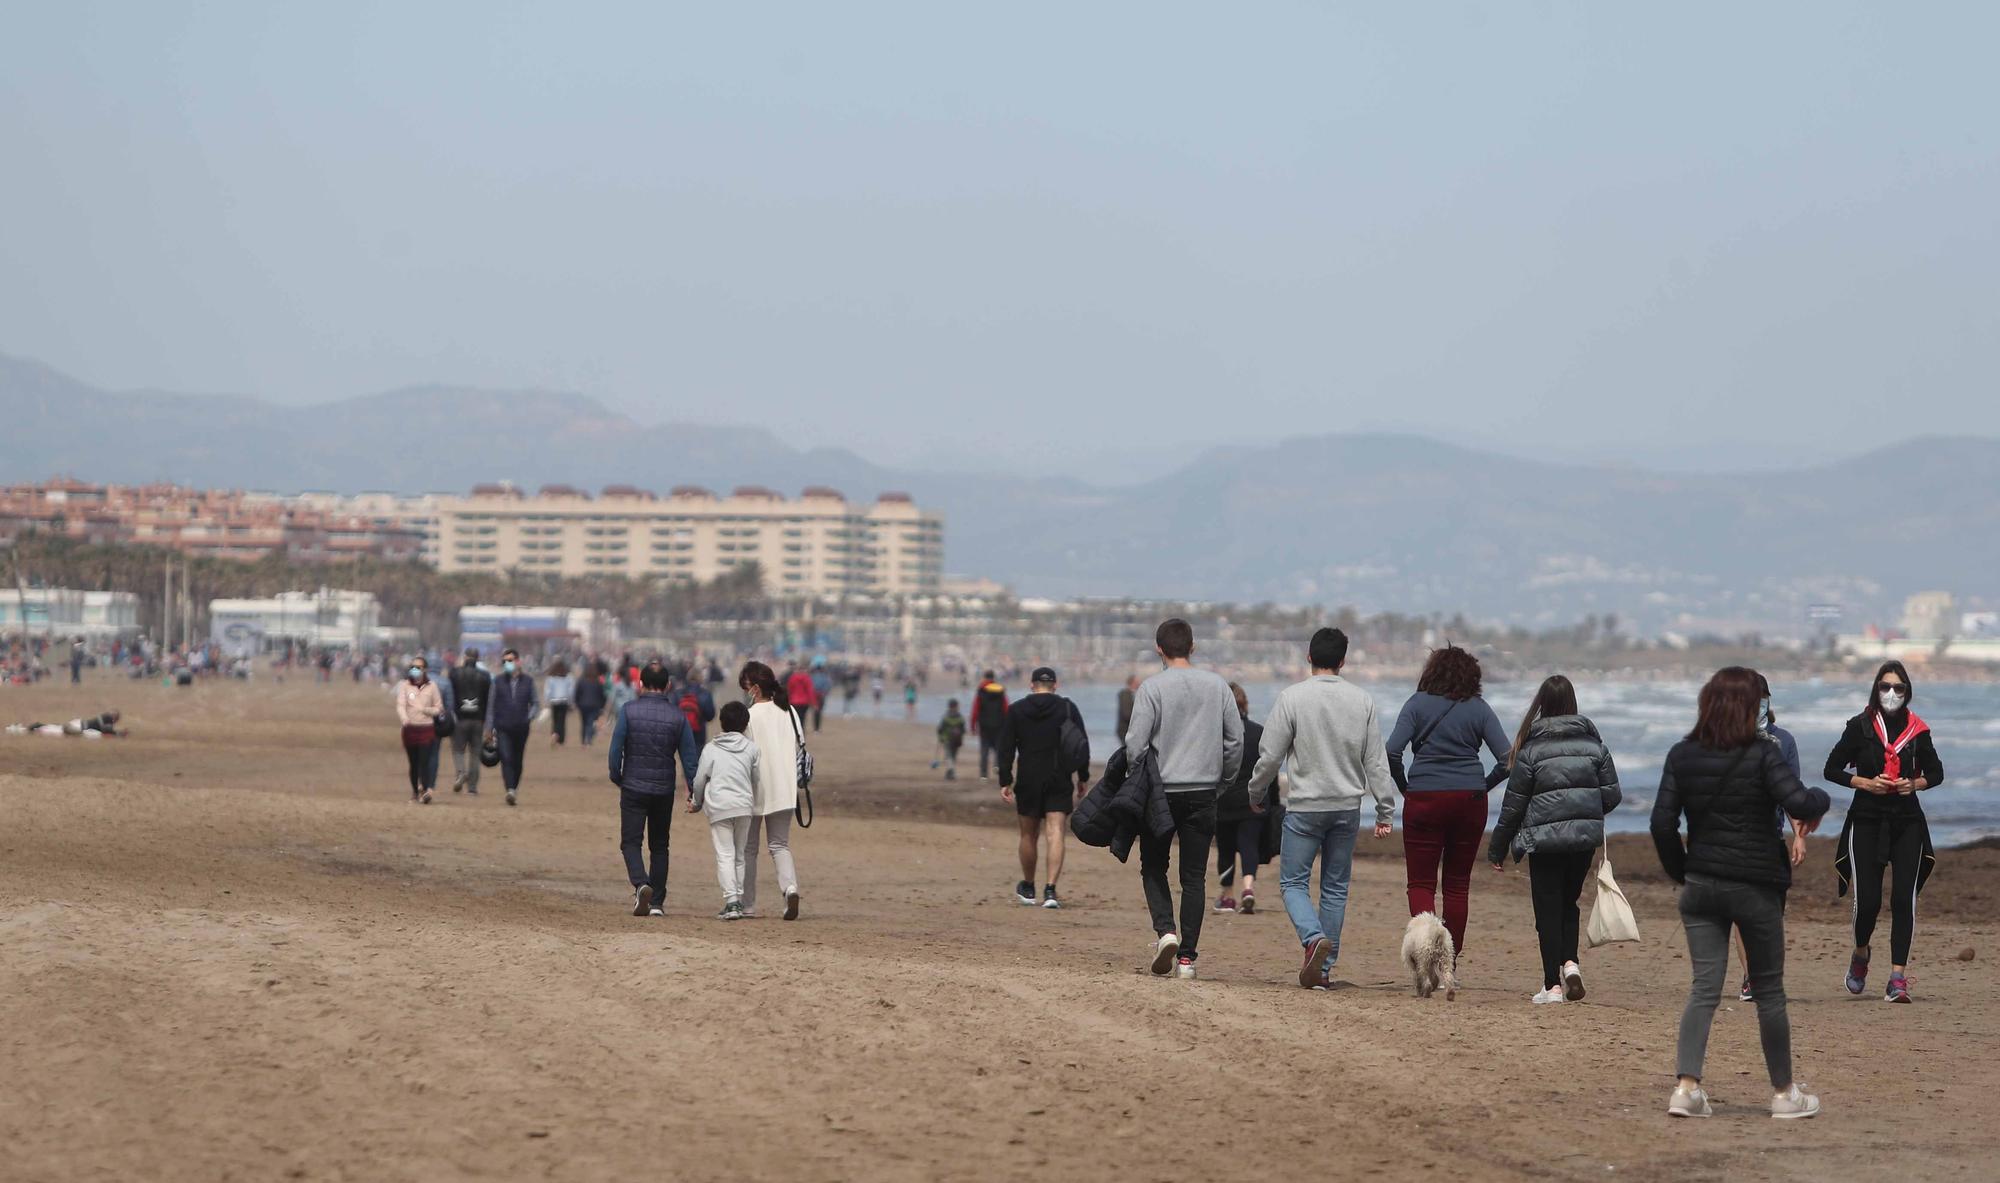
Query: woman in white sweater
[[775, 729]]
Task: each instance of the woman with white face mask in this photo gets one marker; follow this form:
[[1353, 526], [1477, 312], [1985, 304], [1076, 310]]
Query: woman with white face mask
[[1887, 757], [418, 705]]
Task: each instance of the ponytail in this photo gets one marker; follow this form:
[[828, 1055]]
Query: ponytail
[[757, 674]]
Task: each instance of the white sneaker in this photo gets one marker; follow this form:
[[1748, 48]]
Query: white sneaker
[[1184, 970], [1164, 951], [1549, 996], [1572, 982], [1794, 1103], [1689, 1103]]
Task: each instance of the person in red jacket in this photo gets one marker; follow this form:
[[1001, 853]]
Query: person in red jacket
[[989, 712], [799, 689]]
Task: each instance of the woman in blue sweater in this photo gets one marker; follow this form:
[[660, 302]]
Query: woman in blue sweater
[[1444, 804]]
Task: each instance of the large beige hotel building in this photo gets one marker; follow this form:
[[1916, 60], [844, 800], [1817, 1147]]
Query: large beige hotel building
[[817, 545]]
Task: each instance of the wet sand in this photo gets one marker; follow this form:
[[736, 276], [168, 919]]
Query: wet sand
[[230, 950]]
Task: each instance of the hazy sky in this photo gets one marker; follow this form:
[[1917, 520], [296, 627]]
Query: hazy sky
[[1083, 236]]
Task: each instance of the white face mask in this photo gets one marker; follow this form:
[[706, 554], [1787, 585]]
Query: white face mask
[[1893, 700]]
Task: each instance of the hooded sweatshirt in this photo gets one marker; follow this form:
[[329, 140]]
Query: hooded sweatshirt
[[725, 783]]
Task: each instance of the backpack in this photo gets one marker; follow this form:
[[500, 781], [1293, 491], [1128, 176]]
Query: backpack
[[691, 707], [1072, 747]]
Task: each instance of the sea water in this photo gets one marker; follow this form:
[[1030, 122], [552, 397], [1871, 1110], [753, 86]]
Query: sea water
[[1640, 721]]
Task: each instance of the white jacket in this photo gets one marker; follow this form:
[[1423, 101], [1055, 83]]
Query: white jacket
[[777, 758], [725, 782]]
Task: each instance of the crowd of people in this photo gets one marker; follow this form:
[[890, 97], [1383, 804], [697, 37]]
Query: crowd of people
[[1728, 822]]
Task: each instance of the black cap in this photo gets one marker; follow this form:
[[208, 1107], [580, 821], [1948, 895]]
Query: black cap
[[1043, 674]]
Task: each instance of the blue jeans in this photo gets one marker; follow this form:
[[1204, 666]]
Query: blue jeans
[[1329, 837]]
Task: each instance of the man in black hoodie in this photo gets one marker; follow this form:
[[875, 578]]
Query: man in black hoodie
[[1035, 774]]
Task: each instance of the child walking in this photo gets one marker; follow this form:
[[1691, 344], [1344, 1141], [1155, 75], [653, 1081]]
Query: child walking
[[950, 734], [725, 788]]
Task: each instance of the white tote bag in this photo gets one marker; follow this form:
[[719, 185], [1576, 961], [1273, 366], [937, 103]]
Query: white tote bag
[[1611, 919]]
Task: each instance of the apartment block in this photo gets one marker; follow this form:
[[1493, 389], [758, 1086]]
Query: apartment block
[[214, 523], [818, 544]]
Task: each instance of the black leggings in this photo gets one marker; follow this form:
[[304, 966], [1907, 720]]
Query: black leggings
[[559, 720], [1239, 843], [423, 766], [1555, 881], [1901, 846]]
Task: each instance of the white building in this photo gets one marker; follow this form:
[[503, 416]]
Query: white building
[[61, 611], [327, 618], [536, 629]]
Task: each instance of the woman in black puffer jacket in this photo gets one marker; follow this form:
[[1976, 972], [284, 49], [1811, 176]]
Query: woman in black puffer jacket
[[1734, 871], [1560, 786]]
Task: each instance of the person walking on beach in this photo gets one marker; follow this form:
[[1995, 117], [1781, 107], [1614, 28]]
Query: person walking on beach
[[699, 707], [1125, 699], [1032, 735], [725, 788], [1887, 757], [418, 705], [1733, 870], [1560, 785], [471, 690], [1188, 718], [1443, 726], [1788, 748], [989, 711], [649, 735], [512, 712], [777, 731], [1327, 729], [950, 735], [557, 690], [800, 691], [1239, 832], [591, 698], [822, 687]]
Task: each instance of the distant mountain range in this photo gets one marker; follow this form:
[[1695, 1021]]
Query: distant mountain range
[[1383, 522]]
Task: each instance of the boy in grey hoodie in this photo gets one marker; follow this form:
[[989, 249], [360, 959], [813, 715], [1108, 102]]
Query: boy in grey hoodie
[[725, 788], [1188, 718], [1329, 730]]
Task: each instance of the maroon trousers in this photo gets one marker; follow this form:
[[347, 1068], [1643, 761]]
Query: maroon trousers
[[1443, 828]]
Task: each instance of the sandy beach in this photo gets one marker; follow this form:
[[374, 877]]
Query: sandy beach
[[229, 949]]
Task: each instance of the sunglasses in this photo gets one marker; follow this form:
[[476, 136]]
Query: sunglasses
[[1881, 686]]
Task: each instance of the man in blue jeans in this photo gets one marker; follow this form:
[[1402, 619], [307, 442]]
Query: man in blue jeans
[[1328, 729]]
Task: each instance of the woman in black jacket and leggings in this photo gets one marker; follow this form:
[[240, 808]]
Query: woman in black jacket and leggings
[[1734, 871], [1890, 752]]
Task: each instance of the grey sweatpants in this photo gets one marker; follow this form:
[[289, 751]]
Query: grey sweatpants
[[466, 740], [1708, 908], [731, 836], [776, 830]]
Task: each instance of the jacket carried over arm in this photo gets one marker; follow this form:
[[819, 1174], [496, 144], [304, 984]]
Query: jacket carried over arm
[[1727, 797]]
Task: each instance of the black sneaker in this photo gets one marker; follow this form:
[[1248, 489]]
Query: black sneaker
[[1024, 891], [1049, 899]]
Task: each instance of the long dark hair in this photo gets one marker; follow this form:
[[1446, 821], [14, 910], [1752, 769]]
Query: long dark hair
[[1556, 697], [1726, 716], [1909, 689], [1451, 673], [757, 674]]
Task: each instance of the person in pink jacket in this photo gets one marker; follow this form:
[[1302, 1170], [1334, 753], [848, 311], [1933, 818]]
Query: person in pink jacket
[[418, 705]]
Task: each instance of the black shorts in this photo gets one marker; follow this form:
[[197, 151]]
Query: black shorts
[[1032, 802]]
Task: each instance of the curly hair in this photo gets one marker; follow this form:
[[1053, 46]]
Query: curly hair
[[1450, 673]]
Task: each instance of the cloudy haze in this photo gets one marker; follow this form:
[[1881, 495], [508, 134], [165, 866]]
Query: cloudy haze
[[1034, 236]]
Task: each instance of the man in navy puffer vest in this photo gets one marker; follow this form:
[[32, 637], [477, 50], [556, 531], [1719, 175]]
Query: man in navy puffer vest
[[650, 732]]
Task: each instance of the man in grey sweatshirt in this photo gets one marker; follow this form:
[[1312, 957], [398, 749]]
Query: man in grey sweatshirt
[[1188, 718], [1329, 731]]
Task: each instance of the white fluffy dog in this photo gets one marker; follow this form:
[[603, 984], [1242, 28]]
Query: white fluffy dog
[[1428, 953]]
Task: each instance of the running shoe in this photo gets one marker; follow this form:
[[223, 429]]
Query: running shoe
[[1024, 892], [642, 899], [1184, 969], [1745, 994], [458, 784], [1049, 899], [1549, 996], [732, 910], [1319, 959], [655, 912], [1857, 973], [791, 905], [425, 797], [1248, 905], [1164, 951], [1225, 904], [1899, 989], [1572, 986], [510, 796], [1688, 1102], [1794, 1103]]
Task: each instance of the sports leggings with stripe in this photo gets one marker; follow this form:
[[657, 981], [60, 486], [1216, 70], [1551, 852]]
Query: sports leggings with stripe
[[1902, 847]]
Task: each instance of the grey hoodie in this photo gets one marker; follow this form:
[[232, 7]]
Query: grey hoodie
[[1330, 732], [725, 782]]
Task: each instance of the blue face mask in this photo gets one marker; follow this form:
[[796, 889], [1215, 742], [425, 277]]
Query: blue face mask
[[506, 667], [1763, 714], [416, 673]]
